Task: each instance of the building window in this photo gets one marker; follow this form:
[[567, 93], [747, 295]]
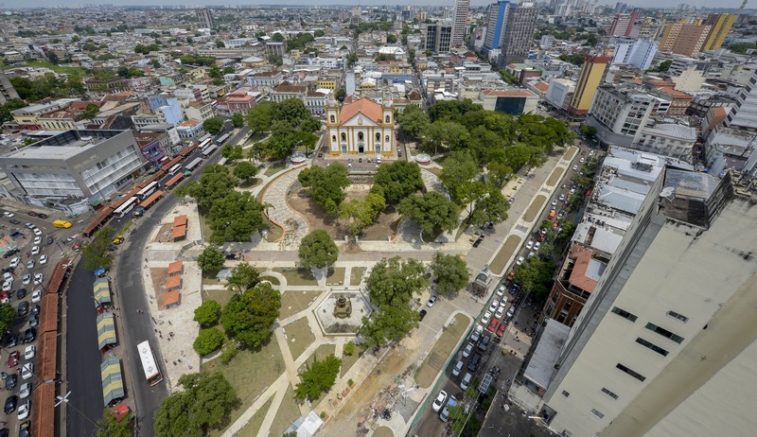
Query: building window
[[636, 375], [625, 314], [597, 413], [664, 332], [387, 138], [609, 393], [344, 136], [652, 346], [333, 138], [565, 393], [387, 119], [678, 316], [360, 136], [378, 137]]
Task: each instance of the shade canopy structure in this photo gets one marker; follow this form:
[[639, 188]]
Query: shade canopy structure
[[106, 330], [102, 292], [113, 383]]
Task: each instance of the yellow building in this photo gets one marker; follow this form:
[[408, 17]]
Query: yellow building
[[587, 84], [721, 26], [329, 84], [362, 127]]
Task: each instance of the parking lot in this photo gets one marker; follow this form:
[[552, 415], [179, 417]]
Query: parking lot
[[28, 253]]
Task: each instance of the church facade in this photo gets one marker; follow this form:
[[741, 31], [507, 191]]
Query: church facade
[[361, 127]]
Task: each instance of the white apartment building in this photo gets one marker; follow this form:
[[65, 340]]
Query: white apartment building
[[560, 92], [637, 53], [199, 111], [460, 23], [619, 114], [667, 342], [668, 139], [744, 113]]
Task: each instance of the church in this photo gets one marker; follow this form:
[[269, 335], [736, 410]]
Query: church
[[361, 127]]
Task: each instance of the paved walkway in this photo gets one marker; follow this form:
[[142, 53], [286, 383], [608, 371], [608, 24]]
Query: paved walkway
[[432, 182], [294, 224]]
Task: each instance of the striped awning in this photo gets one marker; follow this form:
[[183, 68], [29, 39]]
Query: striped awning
[[106, 330], [113, 383], [102, 291]]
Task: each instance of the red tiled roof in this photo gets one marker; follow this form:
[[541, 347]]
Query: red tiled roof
[[175, 267], [364, 106], [173, 282], [170, 298], [286, 87], [180, 220], [578, 278]]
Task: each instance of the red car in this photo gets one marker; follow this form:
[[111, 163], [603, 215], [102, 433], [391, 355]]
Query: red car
[[501, 330], [13, 359], [4, 297], [493, 325]]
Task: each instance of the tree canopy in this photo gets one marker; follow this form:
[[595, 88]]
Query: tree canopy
[[242, 278], [432, 211], [318, 377], [249, 316], [237, 119], [536, 275], [111, 425], [213, 125], [325, 186], [318, 250], [7, 315], [211, 261], [208, 313], [458, 170], [207, 341], [361, 213], [245, 170], [397, 181], [290, 123], [215, 183], [204, 404], [450, 273], [95, 254], [236, 217], [414, 123], [490, 207]]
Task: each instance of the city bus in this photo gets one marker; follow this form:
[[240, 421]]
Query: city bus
[[205, 143], [152, 372], [150, 201], [174, 169], [126, 207], [174, 180], [209, 150], [146, 191], [189, 168], [222, 139]]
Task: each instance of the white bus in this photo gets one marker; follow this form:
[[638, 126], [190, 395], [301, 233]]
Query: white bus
[[126, 207], [209, 151], [222, 139], [204, 143], [146, 191], [192, 165], [152, 372], [174, 169]]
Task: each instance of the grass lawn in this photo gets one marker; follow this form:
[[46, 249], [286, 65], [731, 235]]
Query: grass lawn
[[322, 352], [534, 208], [271, 279], [296, 276], [250, 183], [287, 414], [250, 373], [356, 274], [292, 302], [336, 276], [435, 360], [274, 168], [349, 360], [220, 296], [253, 425], [73, 71], [299, 336], [508, 248], [435, 170]]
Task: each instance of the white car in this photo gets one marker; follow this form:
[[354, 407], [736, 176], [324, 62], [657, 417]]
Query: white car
[[468, 349], [529, 244], [37, 232], [7, 276], [575, 168], [554, 203], [520, 260], [458, 368], [510, 313], [23, 410], [500, 312], [501, 290], [35, 250], [8, 214], [27, 279], [486, 318], [30, 264], [43, 259], [27, 371], [36, 295], [493, 306], [531, 254], [38, 278], [537, 245], [25, 390], [15, 262], [7, 285], [37, 240], [581, 160], [562, 197], [438, 403], [29, 352]]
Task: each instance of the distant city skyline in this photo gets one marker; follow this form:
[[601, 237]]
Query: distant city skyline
[[211, 3]]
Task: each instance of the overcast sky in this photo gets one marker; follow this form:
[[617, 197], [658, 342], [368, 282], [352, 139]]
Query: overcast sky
[[194, 3]]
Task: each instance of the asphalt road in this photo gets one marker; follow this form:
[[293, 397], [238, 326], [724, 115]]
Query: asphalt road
[[83, 358]]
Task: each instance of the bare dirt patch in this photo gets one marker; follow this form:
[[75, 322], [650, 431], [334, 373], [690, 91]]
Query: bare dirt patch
[[555, 176], [159, 276], [504, 254], [534, 208], [164, 234], [356, 275]]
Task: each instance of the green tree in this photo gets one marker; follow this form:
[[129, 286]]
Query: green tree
[[237, 119], [662, 66], [448, 134], [235, 217], [7, 315], [211, 261], [274, 59], [457, 170], [362, 212], [317, 250], [95, 254], [340, 94], [414, 123], [499, 173], [450, 273], [351, 59], [491, 207], [242, 278], [277, 37], [208, 313], [213, 125], [220, 44], [215, 183], [588, 130], [398, 180], [204, 404], [232, 153], [325, 186], [536, 275], [319, 33], [111, 425], [90, 111], [249, 316], [11, 105], [245, 170], [318, 377], [207, 341], [155, 63], [260, 116], [391, 38], [432, 211]]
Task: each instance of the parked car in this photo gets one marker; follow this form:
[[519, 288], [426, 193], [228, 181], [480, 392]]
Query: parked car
[[27, 371], [30, 335], [501, 330], [10, 404], [36, 309], [422, 314], [473, 362], [37, 295], [23, 309], [487, 316], [493, 325], [465, 382], [8, 214], [483, 345], [439, 402], [14, 221], [29, 352], [458, 367], [468, 349], [37, 240], [520, 260], [15, 262], [35, 250], [30, 264], [38, 277], [25, 390], [475, 335], [501, 290], [431, 300], [444, 415], [13, 359], [11, 380], [26, 279], [50, 240], [24, 430], [23, 410], [11, 340], [37, 232]]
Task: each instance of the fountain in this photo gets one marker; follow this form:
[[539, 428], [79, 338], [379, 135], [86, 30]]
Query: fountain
[[343, 307]]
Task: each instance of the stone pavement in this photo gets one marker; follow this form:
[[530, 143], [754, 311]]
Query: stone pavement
[[432, 182], [294, 224]]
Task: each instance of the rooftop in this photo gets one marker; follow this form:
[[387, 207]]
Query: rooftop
[[66, 144], [364, 106], [542, 364]]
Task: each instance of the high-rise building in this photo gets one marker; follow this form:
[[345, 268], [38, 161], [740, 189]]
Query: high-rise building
[[685, 37], [519, 30], [636, 53], [620, 24], [620, 113], [438, 36], [7, 92], [495, 24], [744, 113], [588, 82], [667, 342], [206, 18], [460, 23], [720, 24]]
